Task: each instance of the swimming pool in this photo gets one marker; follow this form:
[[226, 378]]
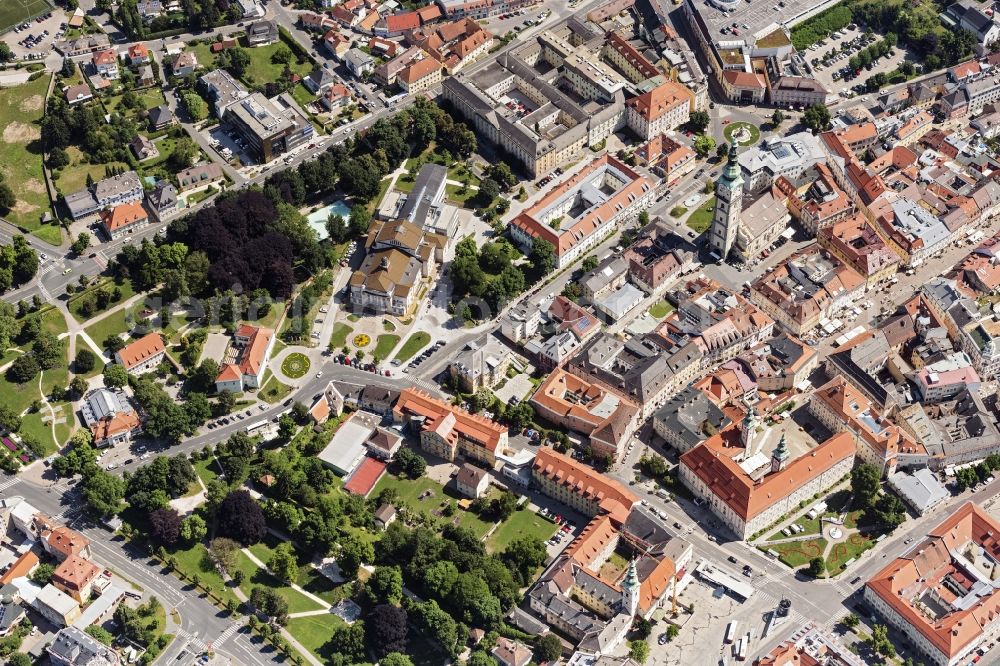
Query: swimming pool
[[317, 220]]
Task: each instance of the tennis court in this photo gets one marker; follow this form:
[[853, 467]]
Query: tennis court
[[13, 12]]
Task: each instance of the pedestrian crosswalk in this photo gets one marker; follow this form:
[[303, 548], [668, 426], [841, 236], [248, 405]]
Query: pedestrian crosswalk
[[9, 483], [193, 641], [230, 630]]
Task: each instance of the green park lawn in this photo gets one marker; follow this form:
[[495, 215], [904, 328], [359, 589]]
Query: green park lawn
[[339, 335], [413, 344], [254, 575], [32, 424], [522, 523], [195, 560], [384, 345], [660, 309], [78, 298], [701, 219], [114, 324], [150, 98], [798, 553], [272, 391], [207, 469], [840, 553], [314, 632], [21, 109]]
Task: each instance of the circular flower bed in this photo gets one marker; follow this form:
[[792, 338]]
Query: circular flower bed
[[745, 134], [362, 340], [295, 365]]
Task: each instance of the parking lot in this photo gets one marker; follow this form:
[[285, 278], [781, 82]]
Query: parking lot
[[34, 40], [227, 144], [832, 51]]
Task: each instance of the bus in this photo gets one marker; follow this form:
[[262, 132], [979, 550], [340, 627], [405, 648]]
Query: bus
[[255, 428], [731, 631]]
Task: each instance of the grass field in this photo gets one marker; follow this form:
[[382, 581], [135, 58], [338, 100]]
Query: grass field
[[798, 553], [413, 344], [254, 575], [78, 298], [522, 523], [21, 110], [13, 12], [114, 324], [339, 335], [410, 491], [314, 632], [701, 219], [195, 560], [207, 469], [660, 309], [31, 424], [272, 391], [74, 177], [261, 69], [384, 345], [150, 97]]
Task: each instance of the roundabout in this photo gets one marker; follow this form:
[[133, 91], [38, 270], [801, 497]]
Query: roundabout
[[742, 133], [361, 340], [295, 365]]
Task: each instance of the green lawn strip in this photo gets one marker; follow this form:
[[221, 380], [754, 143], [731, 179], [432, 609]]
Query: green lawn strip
[[852, 518], [113, 324], [196, 560], [521, 524], [314, 633], [384, 345], [701, 219], [254, 575], [660, 309], [410, 491], [272, 391], [798, 553], [295, 365], [76, 299], [49, 234], [339, 335], [413, 344], [21, 110]]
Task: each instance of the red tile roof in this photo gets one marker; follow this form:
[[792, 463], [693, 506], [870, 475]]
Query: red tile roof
[[123, 216], [75, 573], [22, 566], [401, 22], [713, 462], [142, 349], [419, 70], [612, 496], [924, 567], [478, 429], [660, 100], [67, 542]]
